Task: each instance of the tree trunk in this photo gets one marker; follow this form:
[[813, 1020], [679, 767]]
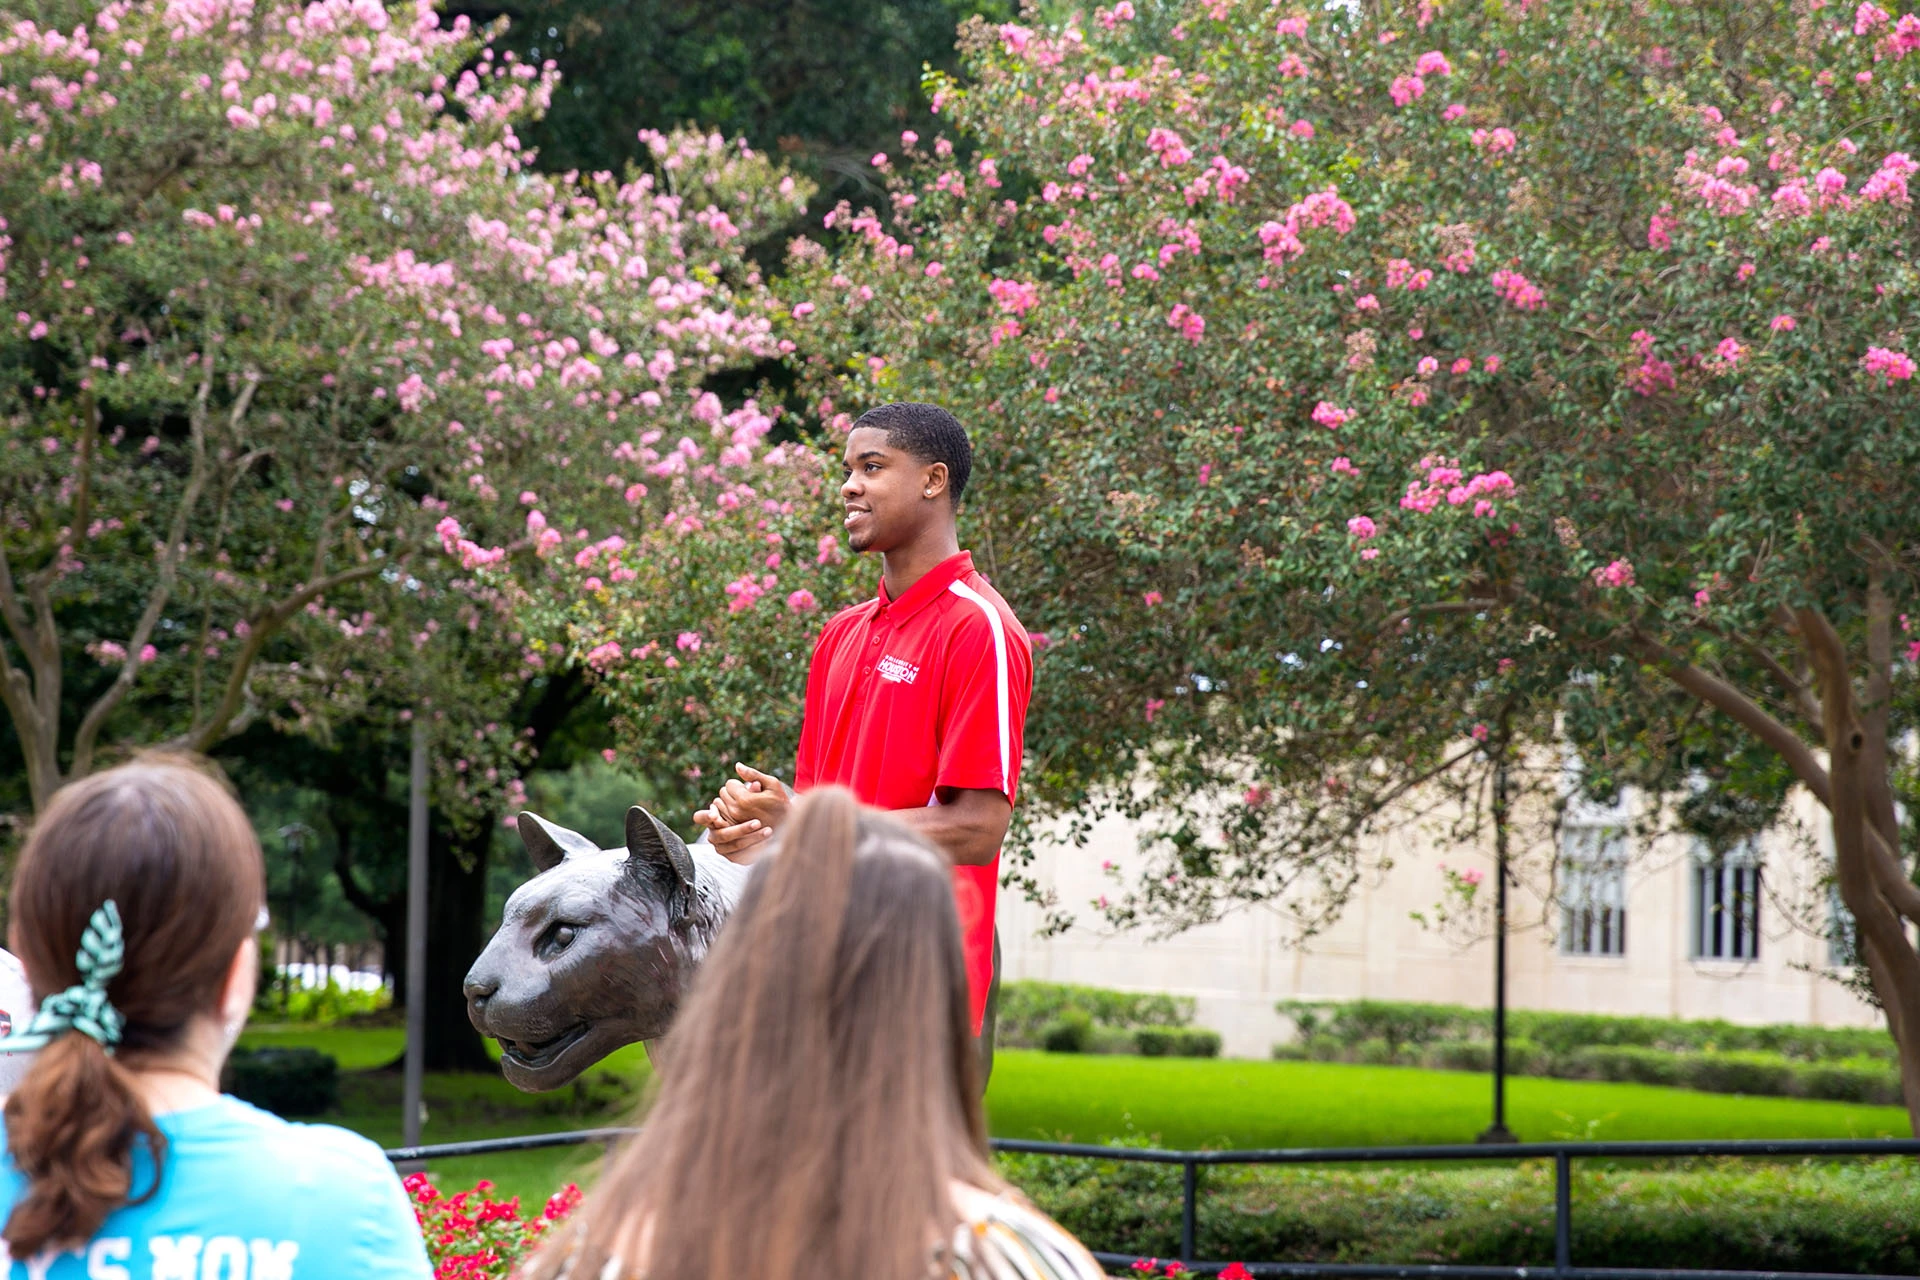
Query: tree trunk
[[456, 932]]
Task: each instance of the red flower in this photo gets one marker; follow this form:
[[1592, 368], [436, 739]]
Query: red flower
[[1235, 1271]]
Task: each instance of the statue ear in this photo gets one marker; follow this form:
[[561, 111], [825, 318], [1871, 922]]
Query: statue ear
[[655, 853], [550, 845]]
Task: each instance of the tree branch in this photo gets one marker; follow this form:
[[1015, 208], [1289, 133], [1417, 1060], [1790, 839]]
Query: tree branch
[[1737, 706], [167, 568], [261, 629]]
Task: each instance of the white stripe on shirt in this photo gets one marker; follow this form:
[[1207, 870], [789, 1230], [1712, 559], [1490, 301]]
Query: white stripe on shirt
[[1001, 692]]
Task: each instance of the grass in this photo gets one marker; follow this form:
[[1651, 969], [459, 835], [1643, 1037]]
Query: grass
[[1171, 1102]]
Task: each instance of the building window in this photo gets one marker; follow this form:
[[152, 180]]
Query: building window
[[1726, 905], [1593, 889]]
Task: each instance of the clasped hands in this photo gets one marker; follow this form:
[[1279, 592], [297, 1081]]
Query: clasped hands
[[745, 814]]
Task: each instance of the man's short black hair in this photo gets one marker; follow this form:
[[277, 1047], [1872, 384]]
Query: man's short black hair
[[929, 433]]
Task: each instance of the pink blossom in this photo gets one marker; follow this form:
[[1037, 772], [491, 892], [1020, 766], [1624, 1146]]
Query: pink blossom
[[1494, 141], [1366, 302], [1154, 707], [879, 160], [1405, 89], [1427, 366], [1191, 325], [605, 655], [1660, 231], [1015, 296], [1369, 553], [1791, 199], [1331, 416], [1889, 364], [1462, 365], [1016, 38], [1296, 27], [1890, 182], [148, 653], [1730, 350], [1868, 16], [1167, 144], [1491, 364], [1479, 735], [1454, 110], [801, 601], [1781, 323], [1301, 129], [1343, 466], [1362, 527], [1831, 184], [1151, 598], [1618, 573], [688, 642], [802, 310], [1519, 291], [908, 137], [107, 653], [1432, 63]]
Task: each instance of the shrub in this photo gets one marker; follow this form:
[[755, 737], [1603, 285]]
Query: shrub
[[1112, 1040], [285, 1081], [1027, 1008], [1720, 1215], [1524, 1057], [1741, 1071], [1559, 1035], [1177, 1042], [1071, 1032], [324, 1006], [1852, 1080], [1620, 1062], [476, 1238]]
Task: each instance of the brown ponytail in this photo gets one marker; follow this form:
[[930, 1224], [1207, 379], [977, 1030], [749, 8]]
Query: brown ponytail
[[172, 848]]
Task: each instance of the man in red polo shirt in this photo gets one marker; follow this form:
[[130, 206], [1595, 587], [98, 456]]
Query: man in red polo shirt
[[917, 698]]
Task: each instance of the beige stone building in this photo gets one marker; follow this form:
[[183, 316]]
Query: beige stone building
[[1634, 926]]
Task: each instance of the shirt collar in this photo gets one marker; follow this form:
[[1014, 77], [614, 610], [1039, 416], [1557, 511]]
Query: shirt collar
[[930, 587]]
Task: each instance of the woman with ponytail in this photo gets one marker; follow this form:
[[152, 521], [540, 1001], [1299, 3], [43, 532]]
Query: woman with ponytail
[[135, 905], [817, 1116]]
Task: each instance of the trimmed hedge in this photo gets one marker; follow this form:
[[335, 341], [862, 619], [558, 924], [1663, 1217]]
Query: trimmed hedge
[[1176, 1042], [1808, 1216], [1405, 1025], [1027, 1009], [1713, 1057], [285, 1081]]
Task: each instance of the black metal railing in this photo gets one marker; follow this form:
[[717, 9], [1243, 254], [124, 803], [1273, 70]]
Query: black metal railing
[[1563, 1154]]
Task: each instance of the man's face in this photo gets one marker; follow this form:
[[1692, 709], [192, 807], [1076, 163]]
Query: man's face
[[885, 491]]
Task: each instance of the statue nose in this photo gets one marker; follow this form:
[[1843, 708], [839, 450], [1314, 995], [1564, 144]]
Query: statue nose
[[478, 989]]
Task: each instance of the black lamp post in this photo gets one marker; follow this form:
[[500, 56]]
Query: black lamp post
[[1497, 1132]]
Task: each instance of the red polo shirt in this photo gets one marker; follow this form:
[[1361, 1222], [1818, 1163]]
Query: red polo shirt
[[913, 698]]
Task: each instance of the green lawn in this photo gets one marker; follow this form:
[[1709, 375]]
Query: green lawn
[[1171, 1102]]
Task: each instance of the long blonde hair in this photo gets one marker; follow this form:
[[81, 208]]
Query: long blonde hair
[[818, 1101]]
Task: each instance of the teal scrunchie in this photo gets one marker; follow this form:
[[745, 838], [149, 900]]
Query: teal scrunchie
[[82, 1007]]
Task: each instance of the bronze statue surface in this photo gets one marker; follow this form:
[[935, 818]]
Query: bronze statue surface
[[597, 950]]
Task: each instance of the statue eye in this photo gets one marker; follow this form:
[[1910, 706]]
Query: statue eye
[[556, 939]]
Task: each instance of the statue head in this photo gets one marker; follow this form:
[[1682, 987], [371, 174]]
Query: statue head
[[597, 949]]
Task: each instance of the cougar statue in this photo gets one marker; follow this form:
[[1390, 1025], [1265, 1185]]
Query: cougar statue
[[598, 949]]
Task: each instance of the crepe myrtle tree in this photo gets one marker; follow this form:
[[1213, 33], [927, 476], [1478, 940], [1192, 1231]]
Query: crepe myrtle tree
[[1354, 384], [295, 342]]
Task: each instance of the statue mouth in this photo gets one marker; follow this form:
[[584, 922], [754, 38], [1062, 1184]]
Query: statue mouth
[[533, 1055]]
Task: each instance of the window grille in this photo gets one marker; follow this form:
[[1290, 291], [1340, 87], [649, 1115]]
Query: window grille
[[1593, 894], [1726, 905]]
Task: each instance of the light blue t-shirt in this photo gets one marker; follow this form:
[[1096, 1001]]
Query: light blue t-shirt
[[245, 1195]]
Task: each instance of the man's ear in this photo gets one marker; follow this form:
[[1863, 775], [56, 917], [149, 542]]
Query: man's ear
[[934, 484]]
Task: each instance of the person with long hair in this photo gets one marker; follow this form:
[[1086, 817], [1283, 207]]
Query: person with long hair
[[817, 1116], [135, 905]]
